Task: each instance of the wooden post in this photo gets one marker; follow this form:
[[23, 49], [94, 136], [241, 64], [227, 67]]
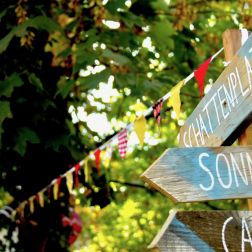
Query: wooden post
[[232, 43]]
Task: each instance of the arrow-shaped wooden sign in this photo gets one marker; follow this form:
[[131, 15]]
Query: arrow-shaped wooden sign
[[205, 231], [226, 106], [202, 173]]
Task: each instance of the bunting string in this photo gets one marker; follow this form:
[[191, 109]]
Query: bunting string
[[121, 137]]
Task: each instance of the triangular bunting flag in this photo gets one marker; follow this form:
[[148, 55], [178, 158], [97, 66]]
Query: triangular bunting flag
[[97, 154], [200, 74], [31, 204], [21, 209], [107, 156], [77, 167], [69, 181], [140, 128], [49, 193], [56, 188], [41, 198], [86, 170], [174, 100], [122, 143], [157, 110], [37, 198]]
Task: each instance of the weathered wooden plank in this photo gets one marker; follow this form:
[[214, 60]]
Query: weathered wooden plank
[[225, 106], [232, 39], [205, 231], [202, 173]]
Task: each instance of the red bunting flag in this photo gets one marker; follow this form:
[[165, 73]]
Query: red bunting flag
[[77, 167], [157, 110], [200, 74], [122, 143], [49, 192], [37, 198], [97, 155]]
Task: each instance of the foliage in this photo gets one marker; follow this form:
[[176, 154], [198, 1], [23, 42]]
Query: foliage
[[56, 58]]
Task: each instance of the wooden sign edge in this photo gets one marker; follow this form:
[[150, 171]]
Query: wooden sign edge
[[173, 215], [160, 233], [177, 200], [152, 184]]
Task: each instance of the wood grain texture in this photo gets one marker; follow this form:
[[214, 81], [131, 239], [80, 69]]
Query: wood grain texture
[[225, 106], [192, 231], [231, 39], [232, 43], [202, 173]]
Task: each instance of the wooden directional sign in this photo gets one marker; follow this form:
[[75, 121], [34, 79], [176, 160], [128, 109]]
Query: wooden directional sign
[[202, 173], [205, 231], [226, 106]]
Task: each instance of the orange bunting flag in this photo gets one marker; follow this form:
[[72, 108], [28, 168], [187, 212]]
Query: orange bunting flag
[[157, 110], [69, 181], [31, 204], [174, 100], [140, 128], [200, 74], [97, 154], [122, 143], [56, 188], [41, 198]]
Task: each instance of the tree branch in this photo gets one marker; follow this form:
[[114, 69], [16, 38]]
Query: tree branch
[[133, 185]]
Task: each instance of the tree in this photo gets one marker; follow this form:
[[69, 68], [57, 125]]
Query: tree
[[55, 56]]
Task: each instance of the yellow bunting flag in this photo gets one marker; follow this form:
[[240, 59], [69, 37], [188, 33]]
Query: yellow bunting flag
[[69, 181], [41, 198], [140, 128], [55, 191], [31, 204], [86, 170], [174, 100], [106, 157], [56, 188], [21, 209]]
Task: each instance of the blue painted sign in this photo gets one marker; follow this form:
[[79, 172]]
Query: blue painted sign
[[205, 231], [202, 173], [225, 106]]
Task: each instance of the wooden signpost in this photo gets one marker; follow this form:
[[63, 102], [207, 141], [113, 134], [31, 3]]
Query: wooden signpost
[[210, 173], [226, 106], [205, 231], [202, 173]]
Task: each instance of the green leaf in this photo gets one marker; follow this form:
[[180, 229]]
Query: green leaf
[[124, 80], [161, 33], [39, 22], [34, 80], [117, 57], [25, 135], [5, 111], [92, 81], [113, 5], [57, 141], [71, 127], [64, 86], [7, 86]]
